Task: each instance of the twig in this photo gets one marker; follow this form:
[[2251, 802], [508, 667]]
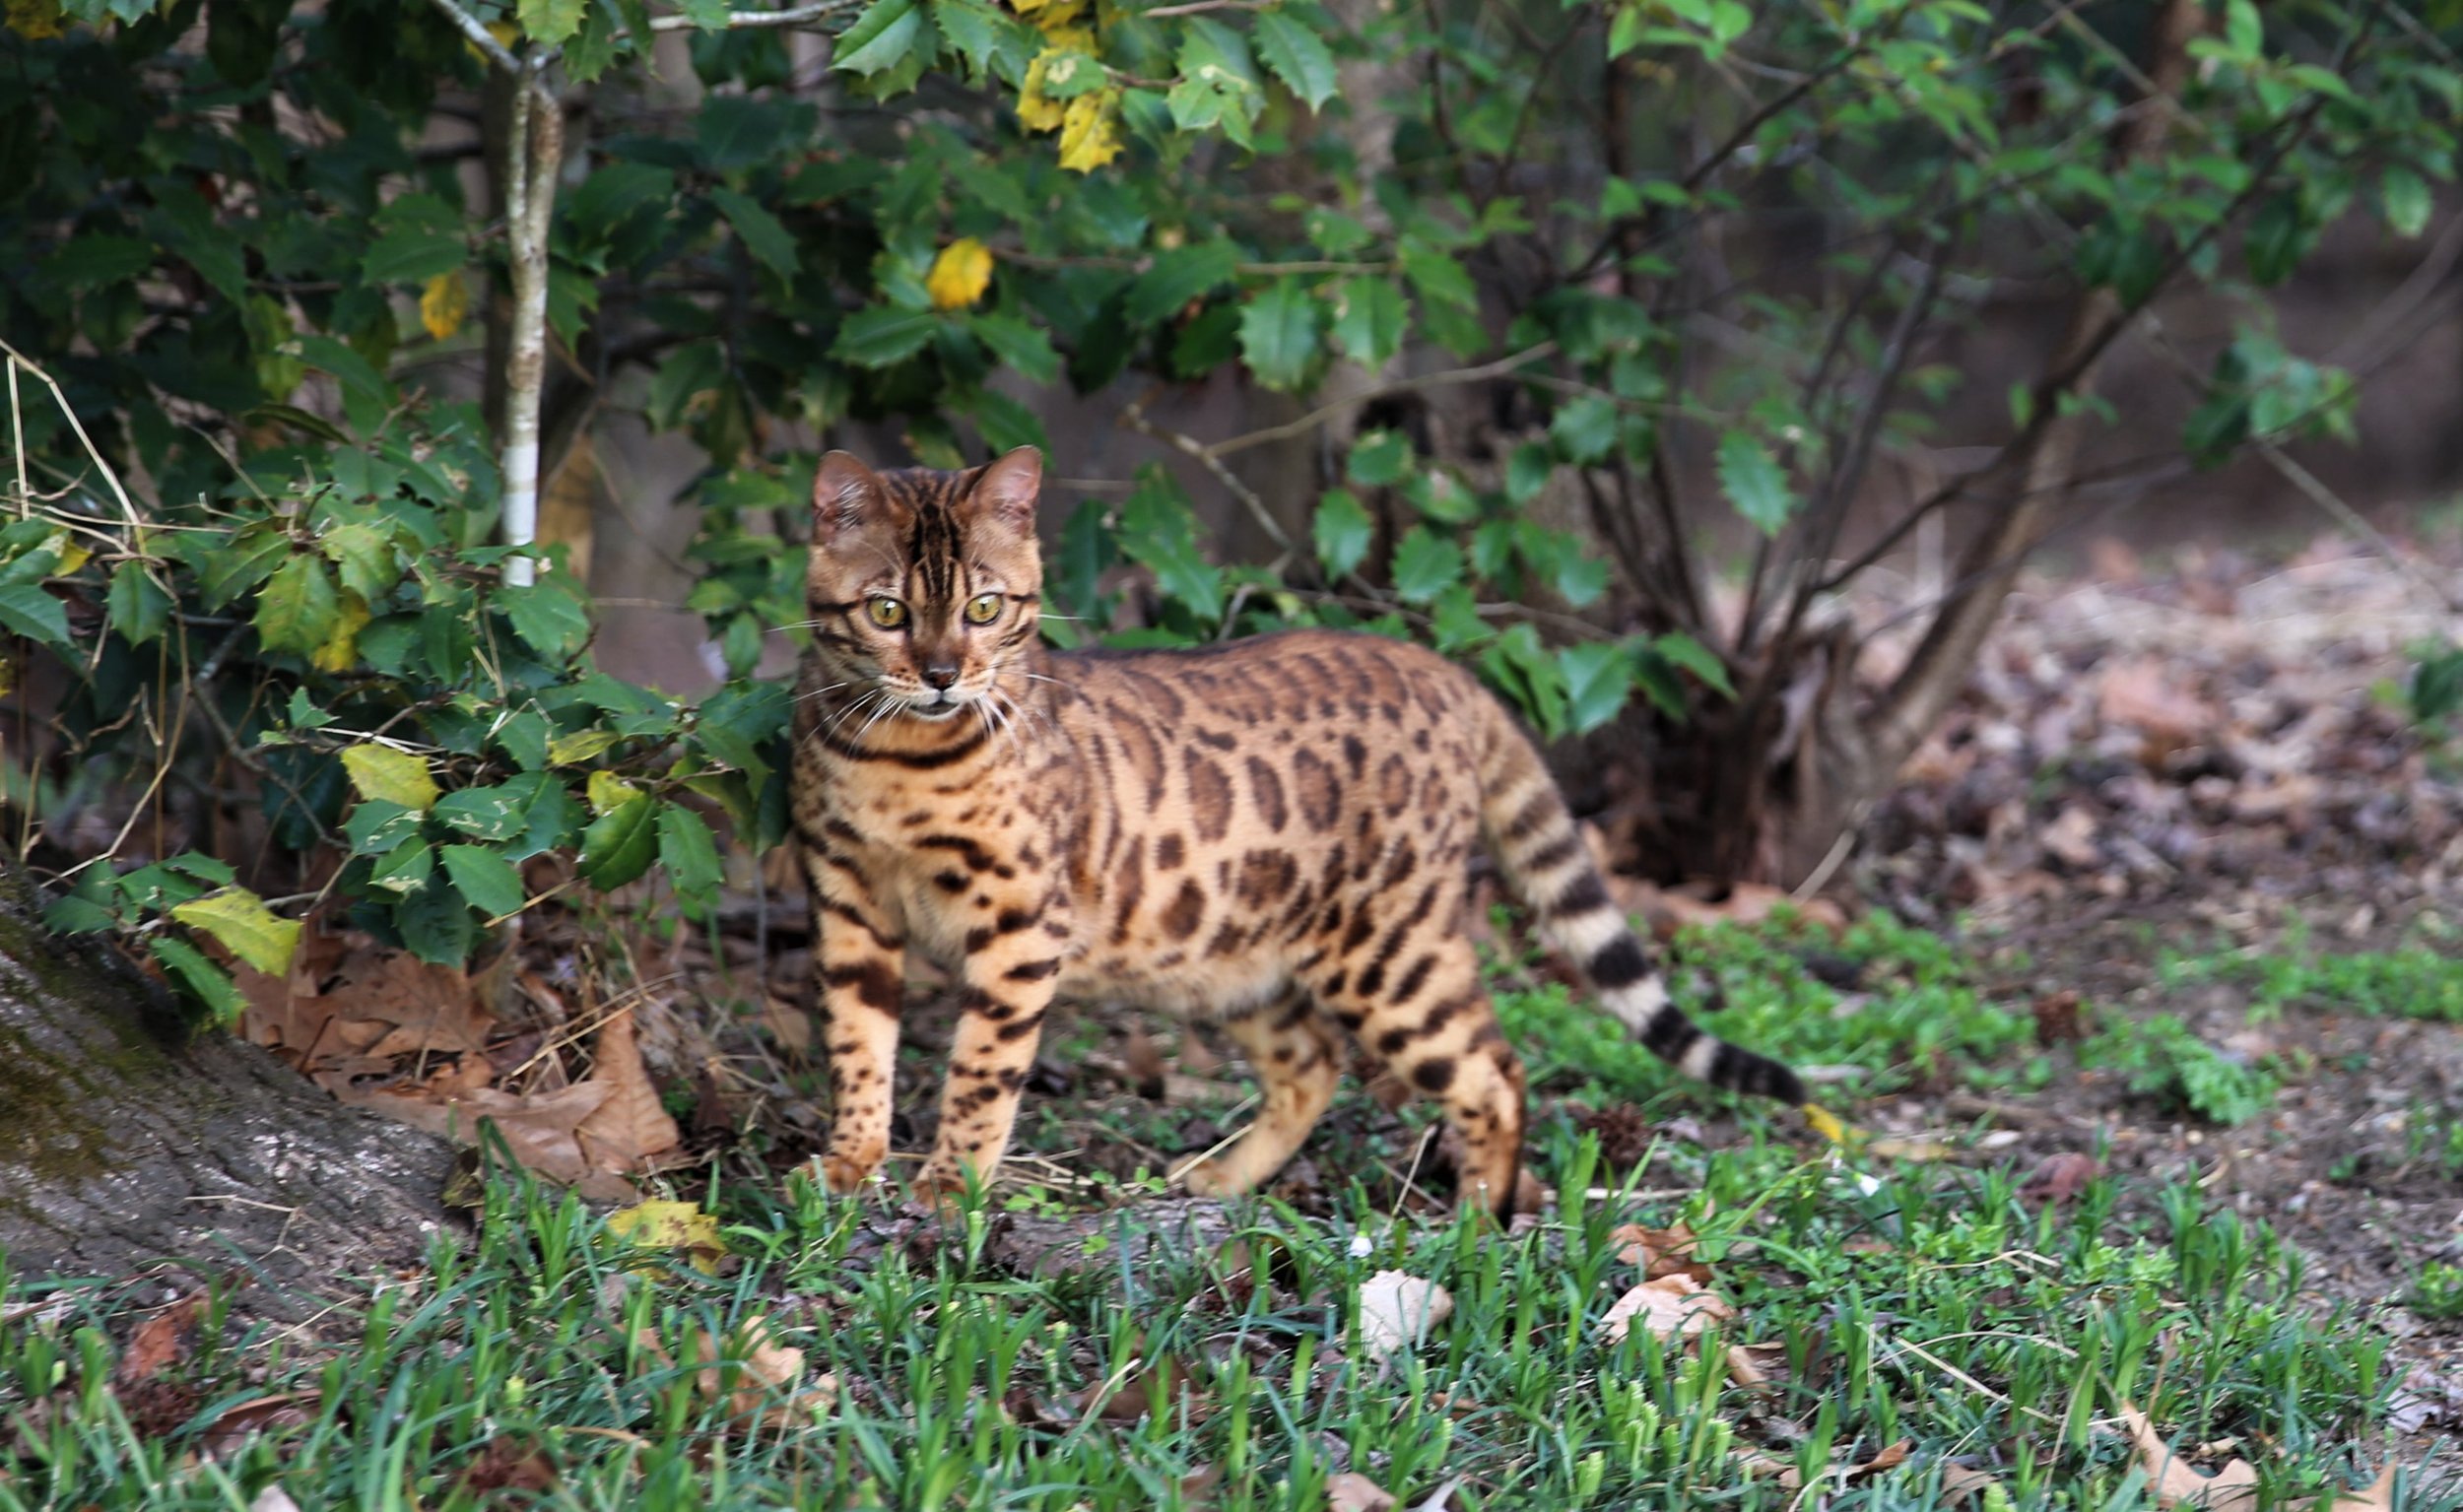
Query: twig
[[1133, 416], [478, 37], [792, 16], [1499, 368]]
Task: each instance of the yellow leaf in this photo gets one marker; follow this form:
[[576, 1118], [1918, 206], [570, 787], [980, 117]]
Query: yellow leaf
[[672, 1225], [249, 930], [1050, 13], [397, 776], [35, 19], [959, 275], [608, 792], [1037, 111], [340, 649], [580, 746], [1089, 131], [1825, 1124], [443, 303]]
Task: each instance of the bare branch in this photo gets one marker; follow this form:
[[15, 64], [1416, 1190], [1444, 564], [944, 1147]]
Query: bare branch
[[478, 37], [792, 16], [1502, 367]]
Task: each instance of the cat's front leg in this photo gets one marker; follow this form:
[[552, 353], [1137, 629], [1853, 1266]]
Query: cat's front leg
[[859, 984], [1012, 962]]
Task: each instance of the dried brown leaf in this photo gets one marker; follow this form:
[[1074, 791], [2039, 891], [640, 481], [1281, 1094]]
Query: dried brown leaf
[[1891, 1457], [2058, 1019], [1673, 1307], [1958, 1483], [2233, 1489], [1658, 1251], [2061, 1177], [761, 1373], [1353, 1492], [233, 1431], [160, 1342], [632, 1125], [1397, 1310]]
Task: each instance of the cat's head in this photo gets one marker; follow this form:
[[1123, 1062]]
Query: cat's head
[[924, 585]]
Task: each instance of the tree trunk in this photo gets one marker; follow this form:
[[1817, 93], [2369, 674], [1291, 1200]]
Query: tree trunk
[[125, 1143]]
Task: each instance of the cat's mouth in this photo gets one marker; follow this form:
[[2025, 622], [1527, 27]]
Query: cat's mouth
[[942, 705]]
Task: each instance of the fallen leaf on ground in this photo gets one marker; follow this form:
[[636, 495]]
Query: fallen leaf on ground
[[632, 1125], [1757, 1463], [1353, 1492], [672, 1225], [1745, 1366], [507, 1463], [762, 1371], [1673, 1307], [1658, 1251], [2178, 1484], [160, 1342], [1958, 1483], [1918, 1152], [2061, 1177], [1891, 1457], [273, 1499], [2058, 1019], [231, 1432], [1396, 1311]]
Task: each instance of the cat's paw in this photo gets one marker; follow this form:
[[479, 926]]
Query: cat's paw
[[844, 1172], [1212, 1179]]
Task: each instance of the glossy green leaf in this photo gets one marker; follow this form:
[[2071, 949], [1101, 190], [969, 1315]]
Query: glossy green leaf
[[25, 609], [1754, 482], [296, 609], [1296, 55], [1424, 566], [1279, 334], [765, 236], [485, 878], [690, 853], [1598, 676], [620, 845], [207, 982], [1343, 532]]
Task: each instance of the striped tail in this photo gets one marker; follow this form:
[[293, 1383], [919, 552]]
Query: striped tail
[[1535, 842]]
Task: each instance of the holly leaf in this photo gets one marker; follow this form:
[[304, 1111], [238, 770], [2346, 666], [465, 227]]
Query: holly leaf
[[136, 604], [485, 878], [1279, 334], [1179, 276], [1296, 55], [207, 981], [396, 776], [765, 236], [548, 614], [1343, 532], [620, 845], [1754, 482], [296, 609], [688, 852], [548, 22], [1597, 678], [27, 610], [881, 336], [240, 920], [881, 37], [1426, 565]]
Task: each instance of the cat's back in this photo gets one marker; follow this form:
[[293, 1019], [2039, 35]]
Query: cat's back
[[1282, 681]]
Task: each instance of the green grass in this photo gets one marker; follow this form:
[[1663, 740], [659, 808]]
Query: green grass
[[1918, 1015], [2413, 982], [2161, 1057], [1923, 1302], [1932, 1307]]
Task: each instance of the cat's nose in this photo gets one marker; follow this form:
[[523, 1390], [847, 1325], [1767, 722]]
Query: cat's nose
[[940, 673]]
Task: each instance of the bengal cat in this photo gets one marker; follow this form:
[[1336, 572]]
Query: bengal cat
[[1272, 834]]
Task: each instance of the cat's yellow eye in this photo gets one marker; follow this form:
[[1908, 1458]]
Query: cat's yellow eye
[[983, 609], [889, 614]]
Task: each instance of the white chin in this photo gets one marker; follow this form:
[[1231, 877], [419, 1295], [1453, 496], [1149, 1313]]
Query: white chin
[[934, 711]]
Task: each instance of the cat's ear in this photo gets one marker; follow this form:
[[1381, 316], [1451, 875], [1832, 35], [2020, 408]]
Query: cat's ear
[[845, 494], [1007, 489]]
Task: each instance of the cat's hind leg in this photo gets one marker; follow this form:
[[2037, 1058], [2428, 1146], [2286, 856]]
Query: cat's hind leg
[[1298, 1057]]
